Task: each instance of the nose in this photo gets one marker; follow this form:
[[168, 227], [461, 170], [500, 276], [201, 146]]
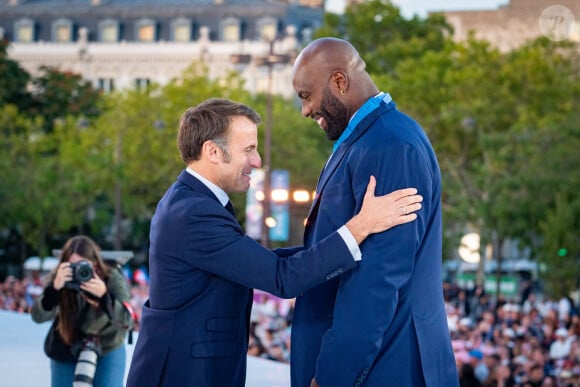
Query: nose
[[306, 110], [256, 161]]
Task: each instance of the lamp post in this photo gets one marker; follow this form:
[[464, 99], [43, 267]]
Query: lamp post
[[269, 61], [118, 215]]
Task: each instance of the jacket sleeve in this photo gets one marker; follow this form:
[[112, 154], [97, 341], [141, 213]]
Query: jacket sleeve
[[112, 315], [367, 298], [225, 251], [38, 312]]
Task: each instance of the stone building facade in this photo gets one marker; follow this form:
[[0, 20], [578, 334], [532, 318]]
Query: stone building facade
[[118, 44], [519, 21]]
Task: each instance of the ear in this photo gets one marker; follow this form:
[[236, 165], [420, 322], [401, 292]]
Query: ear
[[211, 151], [339, 81]]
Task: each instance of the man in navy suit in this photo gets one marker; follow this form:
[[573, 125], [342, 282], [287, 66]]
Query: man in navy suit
[[384, 323], [194, 327]]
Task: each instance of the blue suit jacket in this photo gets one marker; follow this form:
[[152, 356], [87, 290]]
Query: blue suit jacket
[[194, 327], [383, 324]]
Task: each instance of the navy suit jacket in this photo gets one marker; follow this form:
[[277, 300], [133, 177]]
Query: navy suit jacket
[[194, 327], [383, 324]]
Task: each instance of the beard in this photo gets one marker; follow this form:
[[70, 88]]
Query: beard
[[334, 113]]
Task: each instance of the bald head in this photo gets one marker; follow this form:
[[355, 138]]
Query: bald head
[[331, 70], [331, 54], [330, 79]]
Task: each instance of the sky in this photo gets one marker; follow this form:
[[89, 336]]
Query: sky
[[422, 7]]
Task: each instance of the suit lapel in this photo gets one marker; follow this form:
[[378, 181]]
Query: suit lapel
[[337, 156], [197, 186], [192, 182]]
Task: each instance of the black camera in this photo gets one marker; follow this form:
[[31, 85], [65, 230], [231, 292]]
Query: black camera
[[82, 271]]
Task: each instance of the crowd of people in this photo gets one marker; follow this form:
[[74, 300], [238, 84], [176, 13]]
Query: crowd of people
[[531, 342], [534, 342], [19, 295]]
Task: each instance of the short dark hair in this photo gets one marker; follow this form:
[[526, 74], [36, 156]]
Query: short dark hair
[[209, 120]]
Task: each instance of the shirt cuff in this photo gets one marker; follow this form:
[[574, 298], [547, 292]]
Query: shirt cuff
[[350, 243]]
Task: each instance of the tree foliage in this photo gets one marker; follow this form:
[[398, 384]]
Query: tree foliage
[[57, 94], [504, 125], [13, 80], [379, 32]]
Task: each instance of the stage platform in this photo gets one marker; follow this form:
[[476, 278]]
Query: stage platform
[[24, 364]]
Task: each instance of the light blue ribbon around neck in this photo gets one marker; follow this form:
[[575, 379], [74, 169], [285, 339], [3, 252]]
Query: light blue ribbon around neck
[[367, 108]]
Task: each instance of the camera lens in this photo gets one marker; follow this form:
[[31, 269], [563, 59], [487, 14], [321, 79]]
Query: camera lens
[[85, 368], [84, 271]]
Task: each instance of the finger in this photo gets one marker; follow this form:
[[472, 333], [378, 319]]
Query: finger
[[406, 218], [402, 193], [371, 187], [414, 207], [413, 199]]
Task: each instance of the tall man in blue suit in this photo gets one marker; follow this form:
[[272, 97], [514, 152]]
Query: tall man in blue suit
[[384, 323], [194, 327]]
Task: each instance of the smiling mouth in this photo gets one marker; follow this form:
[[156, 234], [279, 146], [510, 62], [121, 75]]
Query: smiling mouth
[[320, 121]]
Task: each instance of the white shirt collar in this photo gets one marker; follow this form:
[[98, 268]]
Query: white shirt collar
[[217, 191]]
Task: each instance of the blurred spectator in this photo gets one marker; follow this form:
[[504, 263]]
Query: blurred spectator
[[536, 376], [560, 348], [34, 288], [463, 304], [467, 376], [565, 306]]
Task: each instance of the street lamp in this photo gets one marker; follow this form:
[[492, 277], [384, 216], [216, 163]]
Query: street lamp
[[269, 60]]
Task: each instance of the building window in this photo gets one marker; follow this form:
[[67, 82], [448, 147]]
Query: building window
[[106, 85], [181, 30], [230, 30], [62, 31], [142, 84], [146, 30], [267, 29], [24, 31], [109, 31]]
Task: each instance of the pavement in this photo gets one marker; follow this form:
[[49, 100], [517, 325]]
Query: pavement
[[24, 364]]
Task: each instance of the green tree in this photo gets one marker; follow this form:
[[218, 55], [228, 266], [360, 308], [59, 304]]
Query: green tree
[[13, 81], [379, 31], [502, 126], [38, 128], [34, 181], [561, 248], [13, 168], [57, 94]]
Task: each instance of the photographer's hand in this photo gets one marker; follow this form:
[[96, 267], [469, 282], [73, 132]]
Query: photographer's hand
[[63, 275], [95, 286]]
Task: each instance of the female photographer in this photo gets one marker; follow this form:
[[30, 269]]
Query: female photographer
[[87, 300]]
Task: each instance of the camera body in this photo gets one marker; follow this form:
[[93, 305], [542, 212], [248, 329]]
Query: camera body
[[82, 271]]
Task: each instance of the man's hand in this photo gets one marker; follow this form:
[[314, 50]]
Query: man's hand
[[313, 383], [380, 213]]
